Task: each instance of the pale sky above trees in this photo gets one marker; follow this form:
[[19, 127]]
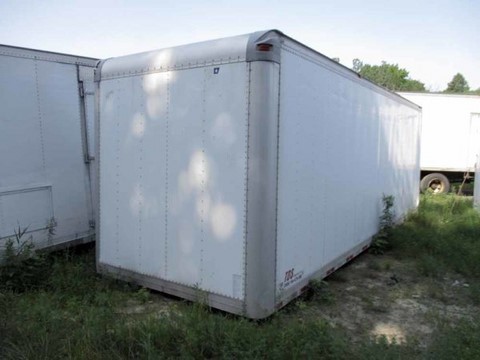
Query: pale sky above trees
[[432, 39]]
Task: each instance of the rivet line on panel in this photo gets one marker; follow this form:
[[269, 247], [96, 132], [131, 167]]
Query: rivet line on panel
[[171, 67], [202, 211], [39, 111], [166, 172], [117, 180], [277, 179], [245, 182], [140, 170]]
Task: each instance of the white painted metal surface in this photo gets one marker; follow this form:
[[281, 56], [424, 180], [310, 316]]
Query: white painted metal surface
[[44, 132], [450, 130], [243, 173], [181, 220], [341, 146]]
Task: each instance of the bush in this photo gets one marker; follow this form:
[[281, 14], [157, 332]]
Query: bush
[[22, 267]]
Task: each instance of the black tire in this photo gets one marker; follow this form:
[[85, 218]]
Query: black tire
[[438, 183]]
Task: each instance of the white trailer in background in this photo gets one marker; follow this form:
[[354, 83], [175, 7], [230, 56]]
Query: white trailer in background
[[46, 146], [450, 138], [239, 169]]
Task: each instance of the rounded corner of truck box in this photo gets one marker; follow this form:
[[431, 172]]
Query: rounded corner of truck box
[[264, 46]]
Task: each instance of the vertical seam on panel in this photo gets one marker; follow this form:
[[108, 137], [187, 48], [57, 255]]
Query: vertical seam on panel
[[141, 129], [97, 172], [202, 188], [39, 112], [166, 173], [117, 175], [324, 192], [276, 184], [245, 212]]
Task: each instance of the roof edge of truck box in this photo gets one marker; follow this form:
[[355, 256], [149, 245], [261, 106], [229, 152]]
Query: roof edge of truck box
[[265, 37], [272, 37], [421, 93], [28, 53]]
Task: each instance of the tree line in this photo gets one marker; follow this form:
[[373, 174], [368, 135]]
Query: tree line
[[395, 78]]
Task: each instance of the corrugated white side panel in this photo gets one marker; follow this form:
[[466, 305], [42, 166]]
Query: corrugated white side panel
[[450, 130], [187, 176], [122, 133], [222, 202], [341, 146], [58, 88], [173, 158], [21, 160], [41, 148]]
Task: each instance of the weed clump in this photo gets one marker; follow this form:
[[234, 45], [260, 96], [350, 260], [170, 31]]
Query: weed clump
[[22, 267], [381, 241]]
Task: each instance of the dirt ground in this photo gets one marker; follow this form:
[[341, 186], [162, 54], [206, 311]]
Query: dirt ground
[[382, 296], [371, 296]]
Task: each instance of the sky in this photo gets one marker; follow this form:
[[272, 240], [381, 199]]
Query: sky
[[433, 40]]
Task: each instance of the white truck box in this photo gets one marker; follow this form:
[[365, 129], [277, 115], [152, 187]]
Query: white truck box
[[236, 170], [46, 146], [450, 137]]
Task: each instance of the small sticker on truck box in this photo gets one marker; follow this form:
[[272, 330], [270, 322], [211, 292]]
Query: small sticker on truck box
[[291, 276]]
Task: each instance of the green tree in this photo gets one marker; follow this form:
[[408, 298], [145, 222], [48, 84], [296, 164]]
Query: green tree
[[457, 85], [388, 75], [357, 65]]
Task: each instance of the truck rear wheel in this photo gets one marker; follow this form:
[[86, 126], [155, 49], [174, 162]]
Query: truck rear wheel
[[438, 183]]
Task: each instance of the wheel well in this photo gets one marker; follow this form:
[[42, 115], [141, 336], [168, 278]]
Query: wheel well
[[452, 176]]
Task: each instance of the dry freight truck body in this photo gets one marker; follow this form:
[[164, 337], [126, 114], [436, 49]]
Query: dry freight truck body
[[234, 171], [450, 138], [46, 146]]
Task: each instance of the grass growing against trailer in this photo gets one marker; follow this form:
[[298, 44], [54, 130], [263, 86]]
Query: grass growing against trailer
[[418, 300], [444, 235]]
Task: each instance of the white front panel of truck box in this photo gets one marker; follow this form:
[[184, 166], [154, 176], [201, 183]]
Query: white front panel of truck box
[[173, 166], [341, 146]]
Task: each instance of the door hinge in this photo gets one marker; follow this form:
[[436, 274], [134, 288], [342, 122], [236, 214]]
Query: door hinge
[[88, 158]]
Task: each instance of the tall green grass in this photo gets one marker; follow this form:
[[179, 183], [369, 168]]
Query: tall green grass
[[76, 314], [443, 235], [73, 313]]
